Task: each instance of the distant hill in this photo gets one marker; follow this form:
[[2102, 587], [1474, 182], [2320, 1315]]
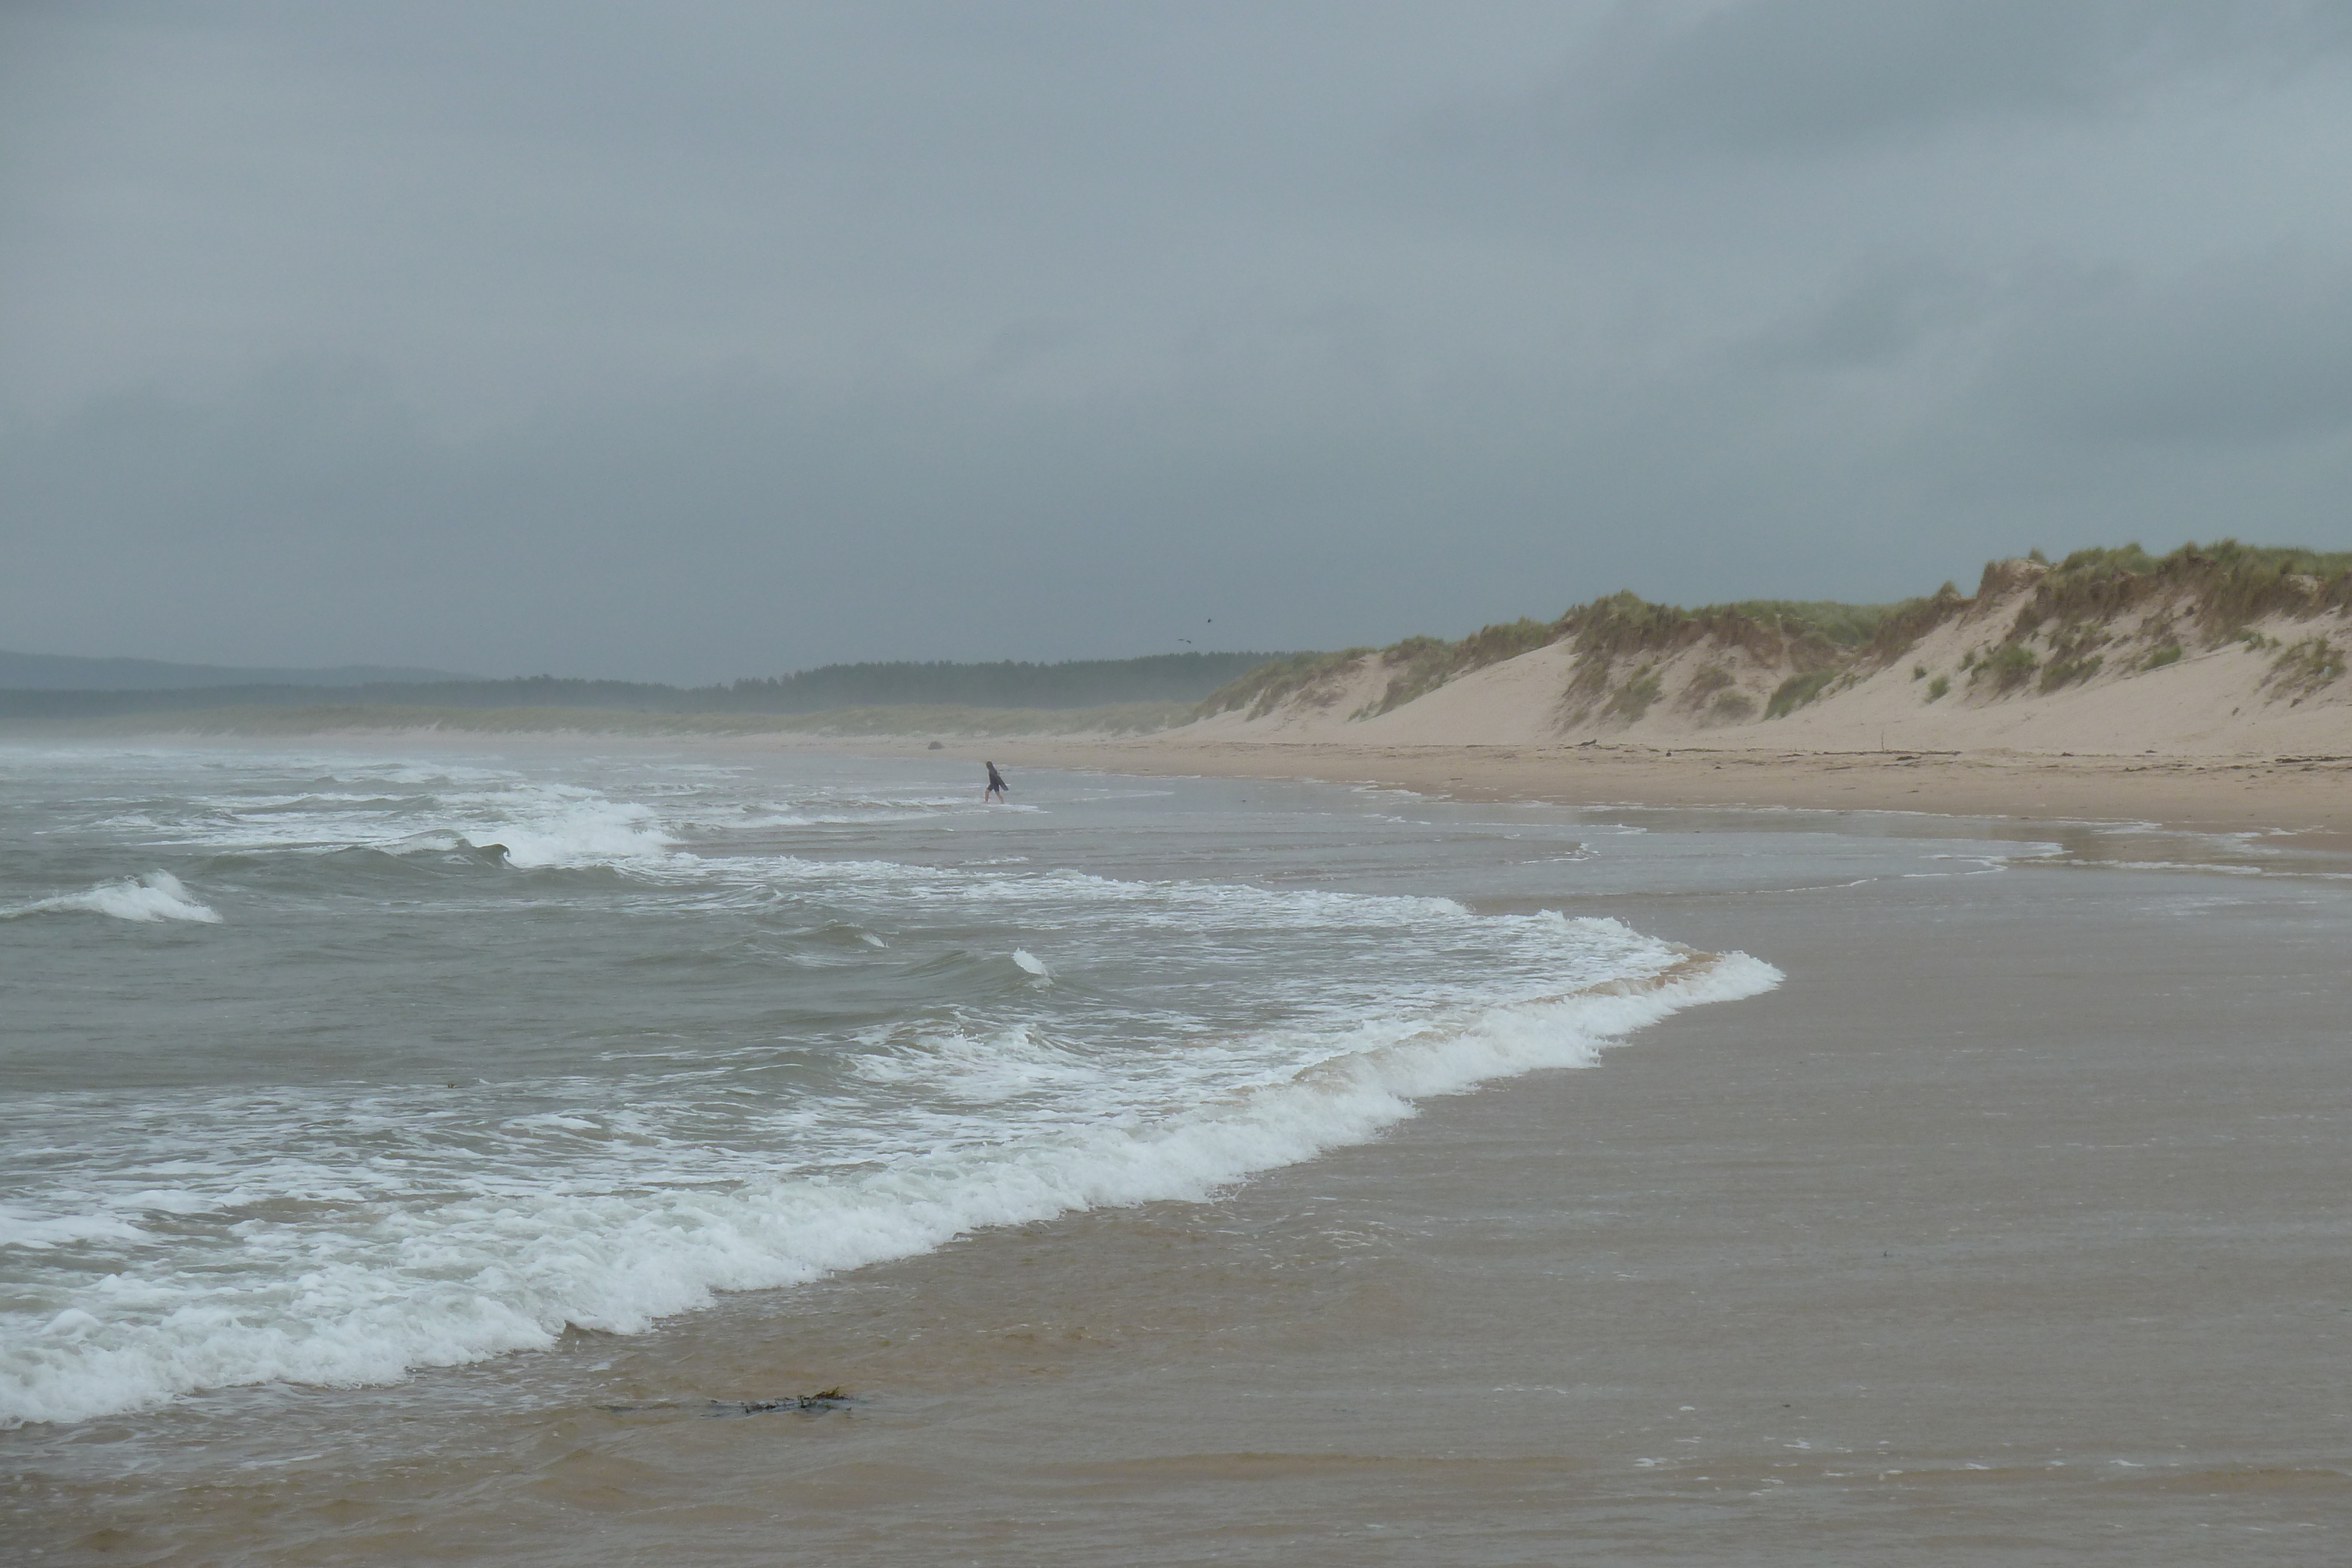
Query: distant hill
[[62, 673], [1073, 684]]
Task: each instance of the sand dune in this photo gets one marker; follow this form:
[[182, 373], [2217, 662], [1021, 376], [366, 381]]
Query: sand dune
[[2159, 672]]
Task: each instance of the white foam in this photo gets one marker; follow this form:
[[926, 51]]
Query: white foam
[[497, 1272], [227, 1235], [541, 824], [39, 1234], [990, 1069], [585, 832], [158, 895]]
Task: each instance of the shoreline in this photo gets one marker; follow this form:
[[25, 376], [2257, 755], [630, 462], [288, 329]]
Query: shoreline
[[2308, 796]]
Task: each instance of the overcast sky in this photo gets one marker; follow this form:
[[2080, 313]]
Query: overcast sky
[[684, 341]]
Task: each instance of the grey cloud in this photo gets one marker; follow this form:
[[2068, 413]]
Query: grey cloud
[[1875, 316], [1022, 344], [737, 525], [716, 341], [2250, 350], [1803, 75], [742, 524]]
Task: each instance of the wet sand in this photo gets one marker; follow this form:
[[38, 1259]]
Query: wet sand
[[2010, 1229], [2309, 796]]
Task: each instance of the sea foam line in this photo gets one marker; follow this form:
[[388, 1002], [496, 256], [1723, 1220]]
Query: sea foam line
[[158, 895], [484, 1277]]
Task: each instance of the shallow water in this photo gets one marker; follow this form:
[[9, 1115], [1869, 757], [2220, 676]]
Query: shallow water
[[325, 1067]]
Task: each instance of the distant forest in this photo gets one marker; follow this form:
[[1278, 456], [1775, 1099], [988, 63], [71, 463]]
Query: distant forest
[[1074, 684]]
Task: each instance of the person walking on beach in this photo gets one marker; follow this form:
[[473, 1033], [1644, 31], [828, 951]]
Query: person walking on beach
[[995, 790]]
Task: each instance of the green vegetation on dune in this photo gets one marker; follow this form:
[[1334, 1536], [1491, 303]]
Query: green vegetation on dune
[[1633, 699], [1847, 625], [1263, 689], [2227, 556], [2008, 665], [2221, 585], [1619, 623], [1796, 692], [2308, 665]]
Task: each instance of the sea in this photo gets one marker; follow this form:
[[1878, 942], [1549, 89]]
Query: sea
[[324, 1066], [355, 1093]]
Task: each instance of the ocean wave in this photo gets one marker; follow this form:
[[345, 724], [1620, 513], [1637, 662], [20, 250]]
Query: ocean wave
[[502, 1271], [158, 895], [675, 1073], [540, 823], [585, 833]]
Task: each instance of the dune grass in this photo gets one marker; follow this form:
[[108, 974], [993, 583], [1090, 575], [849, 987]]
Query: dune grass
[[1796, 692], [1847, 625]]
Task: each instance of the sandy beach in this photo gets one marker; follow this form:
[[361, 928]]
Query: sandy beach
[[2305, 795]]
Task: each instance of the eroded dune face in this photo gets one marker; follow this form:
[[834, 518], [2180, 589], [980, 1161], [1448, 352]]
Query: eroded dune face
[[2226, 653]]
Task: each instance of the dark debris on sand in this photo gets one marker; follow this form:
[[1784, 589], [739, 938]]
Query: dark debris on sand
[[816, 1404]]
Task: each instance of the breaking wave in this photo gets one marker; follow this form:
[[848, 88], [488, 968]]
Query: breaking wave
[[489, 1274], [708, 1035], [158, 895]]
